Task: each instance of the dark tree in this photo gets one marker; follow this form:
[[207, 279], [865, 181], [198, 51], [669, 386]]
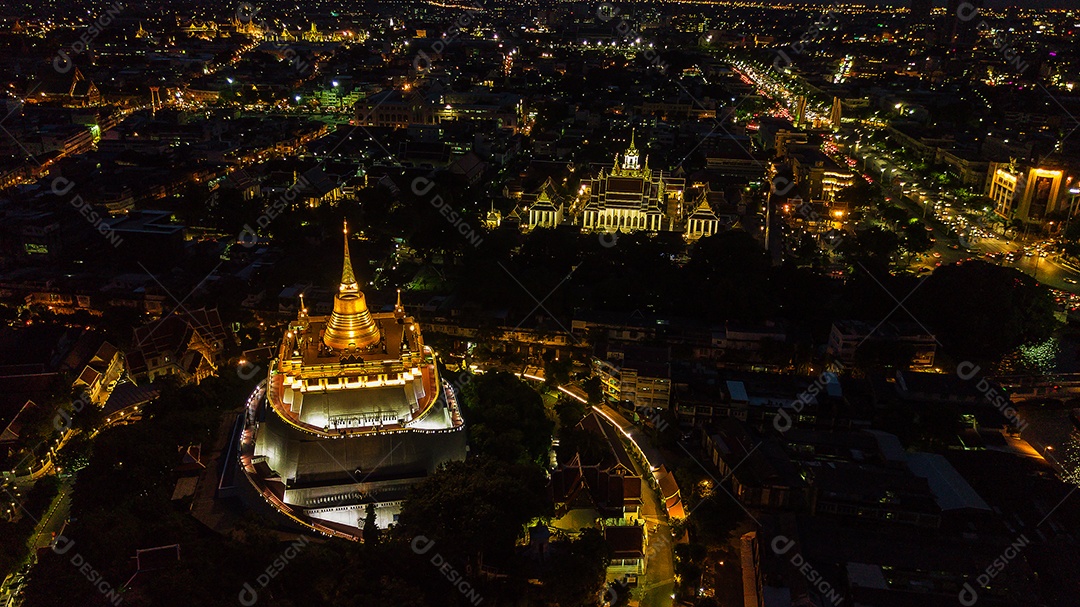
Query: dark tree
[[576, 575], [916, 237], [593, 391], [474, 509], [371, 530], [506, 418], [569, 411], [724, 264], [557, 372], [894, 214], [982, 312], [877, 242]]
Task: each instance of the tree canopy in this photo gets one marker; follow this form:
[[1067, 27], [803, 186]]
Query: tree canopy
[[506, 419], [476, 507], [982, 311]]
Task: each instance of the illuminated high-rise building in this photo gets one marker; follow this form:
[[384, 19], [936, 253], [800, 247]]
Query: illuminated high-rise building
[[835, 114], [1027, 194], [355, 413]]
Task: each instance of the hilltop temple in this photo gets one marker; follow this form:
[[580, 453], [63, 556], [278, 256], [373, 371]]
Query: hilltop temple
[[355, 413]]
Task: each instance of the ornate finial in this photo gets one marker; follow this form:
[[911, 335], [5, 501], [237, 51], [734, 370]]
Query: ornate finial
[[348, 278], [303, 309], [633, 132], [399, 307]]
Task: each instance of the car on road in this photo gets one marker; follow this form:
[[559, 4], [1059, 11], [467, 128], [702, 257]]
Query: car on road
[[1070, 281]]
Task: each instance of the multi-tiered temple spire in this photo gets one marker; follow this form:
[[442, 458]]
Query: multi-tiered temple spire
[[348, 278], [351, 326], [632, 157]]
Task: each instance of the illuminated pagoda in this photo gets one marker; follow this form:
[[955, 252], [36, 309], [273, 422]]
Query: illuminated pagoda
[[632, 197], [354, 412]]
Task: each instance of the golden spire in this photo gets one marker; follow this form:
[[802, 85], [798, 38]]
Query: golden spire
[[398, 307], [632, 151], [302, 313], [350, 326], [348, 278], [631, 156]]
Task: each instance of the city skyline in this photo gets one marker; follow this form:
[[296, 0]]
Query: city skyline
[[445, 303]]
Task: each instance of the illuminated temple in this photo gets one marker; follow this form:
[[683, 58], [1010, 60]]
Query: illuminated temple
[[355, 412], [631, 197]]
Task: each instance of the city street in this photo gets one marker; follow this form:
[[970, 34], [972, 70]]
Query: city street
[[1046, 269], [934, 203], [658, 585], [54, 520]]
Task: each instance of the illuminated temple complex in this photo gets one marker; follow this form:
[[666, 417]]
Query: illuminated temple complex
[[632, 197], [355, 412]]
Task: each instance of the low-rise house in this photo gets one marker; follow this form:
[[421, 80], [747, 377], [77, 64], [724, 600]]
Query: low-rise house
[[188, 345]]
